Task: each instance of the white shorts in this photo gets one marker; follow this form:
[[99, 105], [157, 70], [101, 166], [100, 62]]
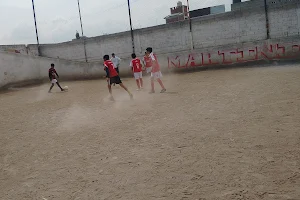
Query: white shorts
[[138, 75], [53, 81], [148, 69], [156, 75]]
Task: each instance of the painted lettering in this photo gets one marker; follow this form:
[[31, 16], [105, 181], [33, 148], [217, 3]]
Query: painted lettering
[[270, 52]]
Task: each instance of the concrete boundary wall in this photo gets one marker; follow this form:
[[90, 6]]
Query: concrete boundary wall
[[226, 55], [247, 23], [288, 49], [30, 49], [16, 69]]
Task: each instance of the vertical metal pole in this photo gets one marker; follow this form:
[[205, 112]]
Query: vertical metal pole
[[36, 30], [190, 23], [131, 30], [82, 32], [267, 20]]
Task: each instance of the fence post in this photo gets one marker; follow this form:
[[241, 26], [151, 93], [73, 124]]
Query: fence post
[[190, 24]]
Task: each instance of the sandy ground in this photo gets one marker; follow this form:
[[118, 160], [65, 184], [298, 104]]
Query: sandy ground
[[217, 134]]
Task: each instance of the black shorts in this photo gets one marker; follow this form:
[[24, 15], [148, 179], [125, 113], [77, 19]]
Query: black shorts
[[115, 80]]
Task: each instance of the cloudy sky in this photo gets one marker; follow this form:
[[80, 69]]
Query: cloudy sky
[[58, 20]]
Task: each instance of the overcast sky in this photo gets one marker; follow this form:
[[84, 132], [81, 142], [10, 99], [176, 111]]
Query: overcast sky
[[58, 20]]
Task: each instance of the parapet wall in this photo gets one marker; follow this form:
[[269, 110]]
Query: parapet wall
[[17, 69], [30, 50], [288, 49], [247, 23]]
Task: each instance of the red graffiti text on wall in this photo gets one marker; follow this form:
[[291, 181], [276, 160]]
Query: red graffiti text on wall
[[269, 52]]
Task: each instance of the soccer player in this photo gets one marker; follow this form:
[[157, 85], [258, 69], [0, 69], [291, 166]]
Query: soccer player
[[155, 72], [52, 76], [113, 76], [116, 61], [136, 67], [147, 62]]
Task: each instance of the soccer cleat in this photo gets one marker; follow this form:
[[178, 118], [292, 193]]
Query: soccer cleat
[[163, 91], [152, 92], [131, 96]]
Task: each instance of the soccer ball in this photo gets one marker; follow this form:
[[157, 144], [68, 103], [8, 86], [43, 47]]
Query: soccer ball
[[66, 88]]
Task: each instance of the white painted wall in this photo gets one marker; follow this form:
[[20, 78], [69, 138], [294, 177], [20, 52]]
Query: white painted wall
[[16, 68], [31, 49]]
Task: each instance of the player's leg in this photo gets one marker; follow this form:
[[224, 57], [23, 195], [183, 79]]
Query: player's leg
[[117, 80], [110, 91], [117, 69], [137, 83], [162, 85], [52, 85], [57, 83], [158, 76], [141, 79], [152, 83], [137, 79], [141, 82], [125, 88]]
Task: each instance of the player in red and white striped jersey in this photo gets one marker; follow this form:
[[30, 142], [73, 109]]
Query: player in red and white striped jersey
[[147, 62], [155, 73]]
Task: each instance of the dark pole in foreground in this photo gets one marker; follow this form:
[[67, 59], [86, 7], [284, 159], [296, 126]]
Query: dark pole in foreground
[[36, 30], [132, 37], [190, 23], [267, 19], [82, 32]]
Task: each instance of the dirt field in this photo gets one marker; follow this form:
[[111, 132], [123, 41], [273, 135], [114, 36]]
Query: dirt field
[[217, 134]]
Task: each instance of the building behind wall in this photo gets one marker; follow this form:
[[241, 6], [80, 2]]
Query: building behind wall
[[181, 12], [178, 13], [239, 5], [207, 11]]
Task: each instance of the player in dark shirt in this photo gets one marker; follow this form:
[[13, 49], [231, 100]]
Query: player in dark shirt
[[53, 75]]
